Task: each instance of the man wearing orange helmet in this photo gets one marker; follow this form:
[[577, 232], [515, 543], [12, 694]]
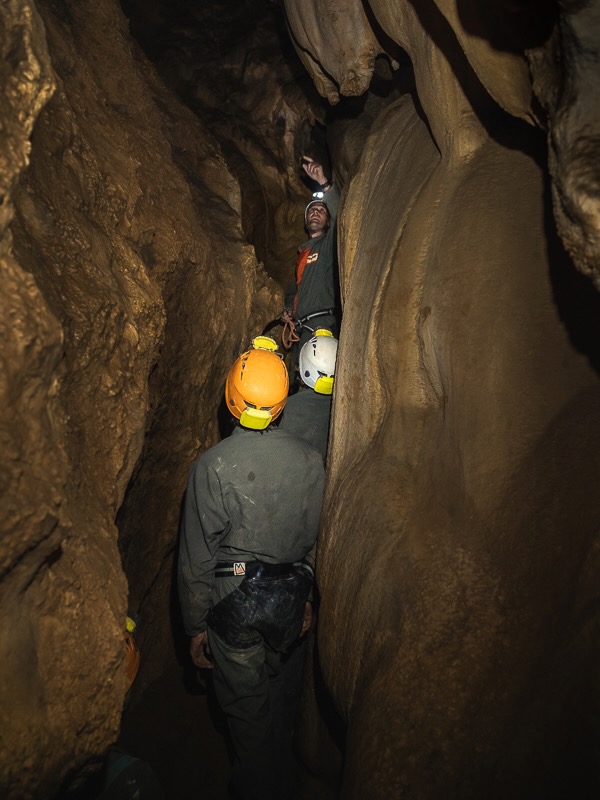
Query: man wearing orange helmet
[[248, 533]]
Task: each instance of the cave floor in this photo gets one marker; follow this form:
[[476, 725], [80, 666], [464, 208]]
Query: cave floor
[[177, 729]]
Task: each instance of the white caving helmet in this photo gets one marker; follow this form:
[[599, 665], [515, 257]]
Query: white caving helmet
[[317, 361], [317, 199]]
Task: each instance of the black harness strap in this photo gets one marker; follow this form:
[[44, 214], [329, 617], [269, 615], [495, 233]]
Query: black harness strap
[[327, 312], [252, 569]]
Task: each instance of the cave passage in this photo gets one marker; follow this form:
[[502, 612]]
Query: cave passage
[[173, 740], [208, 55], [152, 203]]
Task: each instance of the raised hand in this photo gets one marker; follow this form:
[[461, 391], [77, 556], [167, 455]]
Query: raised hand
[[314, 170]]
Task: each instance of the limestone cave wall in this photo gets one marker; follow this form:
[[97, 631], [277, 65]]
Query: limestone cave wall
[[458, 558], [128, 289]]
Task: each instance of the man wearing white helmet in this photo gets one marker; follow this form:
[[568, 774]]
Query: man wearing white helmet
[[306, 415], [313, 301], [308, 411]]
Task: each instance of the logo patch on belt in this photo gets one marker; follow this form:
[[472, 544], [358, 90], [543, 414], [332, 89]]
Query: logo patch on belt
[[239, 568]]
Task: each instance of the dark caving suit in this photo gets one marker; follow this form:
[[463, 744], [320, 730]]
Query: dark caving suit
[[317, 279], [306, 414], [254, 497]]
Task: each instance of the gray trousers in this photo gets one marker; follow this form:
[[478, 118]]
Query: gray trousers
[[249, 630], [249, 688]]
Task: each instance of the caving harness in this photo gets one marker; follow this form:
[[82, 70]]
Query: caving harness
[[292, 329], [267, 605], [226, 569]]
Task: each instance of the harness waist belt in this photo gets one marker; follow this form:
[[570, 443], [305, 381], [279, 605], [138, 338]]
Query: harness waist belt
[[327, 312], [255, 569]]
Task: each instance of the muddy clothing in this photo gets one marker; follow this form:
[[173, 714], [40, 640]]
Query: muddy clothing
[[317, 279], [245, 502], [306, 414], [254, 497], [250, 689]]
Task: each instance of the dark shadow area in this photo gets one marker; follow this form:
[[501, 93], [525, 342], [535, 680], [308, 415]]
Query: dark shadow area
[[509, 26], [329, 715], [576, 298], [209, 56], [312, 141], [176, 726], [226, 421], [120, 776]]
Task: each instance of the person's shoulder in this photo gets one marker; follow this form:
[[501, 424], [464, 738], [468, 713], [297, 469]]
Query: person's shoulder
[[288, 438], [280, 434], [294, 399], [216, 453], [307, 397], [298, 446]]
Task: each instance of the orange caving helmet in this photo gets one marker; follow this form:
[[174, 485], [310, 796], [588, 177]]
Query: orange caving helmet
[[257, 385]]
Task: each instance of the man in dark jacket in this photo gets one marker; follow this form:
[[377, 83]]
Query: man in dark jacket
[[307, 415], [246, 560], [314, 299], [308, 411]]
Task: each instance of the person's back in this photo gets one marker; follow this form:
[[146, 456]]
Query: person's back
[[307, 415], [307, 412], [270, 483], [245, 568]]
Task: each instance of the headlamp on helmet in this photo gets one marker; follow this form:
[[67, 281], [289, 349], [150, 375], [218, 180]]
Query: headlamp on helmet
[[257, 385], [317, 361]]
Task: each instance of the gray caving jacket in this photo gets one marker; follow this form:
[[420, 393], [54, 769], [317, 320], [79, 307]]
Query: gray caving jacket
[[306, 414], [254, 496]]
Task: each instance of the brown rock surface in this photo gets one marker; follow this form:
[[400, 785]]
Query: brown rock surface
[[460, 540], [565, 73], [128, 289], [233, 64]]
